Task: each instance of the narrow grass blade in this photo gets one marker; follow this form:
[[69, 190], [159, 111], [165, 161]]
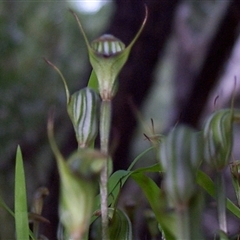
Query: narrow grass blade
[[158, 204], [207, 184], [115, 183], [5, 206], [118, 179], [21, 213], [139, 157]]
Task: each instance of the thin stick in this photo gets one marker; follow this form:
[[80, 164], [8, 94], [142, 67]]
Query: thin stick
[[221, 201], [105, 123]]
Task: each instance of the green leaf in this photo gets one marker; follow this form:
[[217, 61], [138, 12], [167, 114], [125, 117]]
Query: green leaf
[[118, 179], [93, 82], [153, 168], [115, 183], [21, 213], [120, 226], [138, 157], [5, 206], [207, 184], [223, 235], [158, 204]]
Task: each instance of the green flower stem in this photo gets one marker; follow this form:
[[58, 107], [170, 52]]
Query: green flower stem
[[183, 223], [105, 123], [221, 201]]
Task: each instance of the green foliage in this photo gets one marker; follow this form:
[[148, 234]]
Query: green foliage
[[89, 191], [120, 226], [158, 204], [208, 185], [20, 210], [218, 135]]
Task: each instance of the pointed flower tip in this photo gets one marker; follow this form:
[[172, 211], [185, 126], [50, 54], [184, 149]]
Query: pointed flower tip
[[107, 45], [62, 77], [140, 30], [81, 29], [146, 15], [107, 56]]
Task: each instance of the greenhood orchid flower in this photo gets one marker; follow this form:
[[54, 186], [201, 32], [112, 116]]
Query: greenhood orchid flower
[[180, 156], [78, 186], [83, 108], [107, 56], [218, 136]]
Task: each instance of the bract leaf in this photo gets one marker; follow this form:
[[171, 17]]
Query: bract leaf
[[207, 184], [93, 82], [158, 203], [20, 208], [120, 227]]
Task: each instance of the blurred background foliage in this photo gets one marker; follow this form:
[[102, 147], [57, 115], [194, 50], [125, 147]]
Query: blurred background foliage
[[29, 88], [29, 32]]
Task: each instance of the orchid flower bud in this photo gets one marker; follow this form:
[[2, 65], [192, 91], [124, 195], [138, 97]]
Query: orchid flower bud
[[78, 186], [83, 109], [107, 59], [180, 156], [87, 163], [218, 135], [107, 56]]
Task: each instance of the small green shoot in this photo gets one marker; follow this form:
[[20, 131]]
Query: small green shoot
[[21, 212]]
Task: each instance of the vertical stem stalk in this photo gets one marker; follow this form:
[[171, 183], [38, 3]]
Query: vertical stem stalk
[[35, 229], [105, 124], [221, 201], [183, 223]]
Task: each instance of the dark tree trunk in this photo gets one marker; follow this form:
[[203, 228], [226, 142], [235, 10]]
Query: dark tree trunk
[[136, 77], [216, 58]]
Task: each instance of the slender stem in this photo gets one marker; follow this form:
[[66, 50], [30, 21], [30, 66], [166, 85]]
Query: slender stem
[[35, 229], [221, 201], [183, 223], [105, 124]]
